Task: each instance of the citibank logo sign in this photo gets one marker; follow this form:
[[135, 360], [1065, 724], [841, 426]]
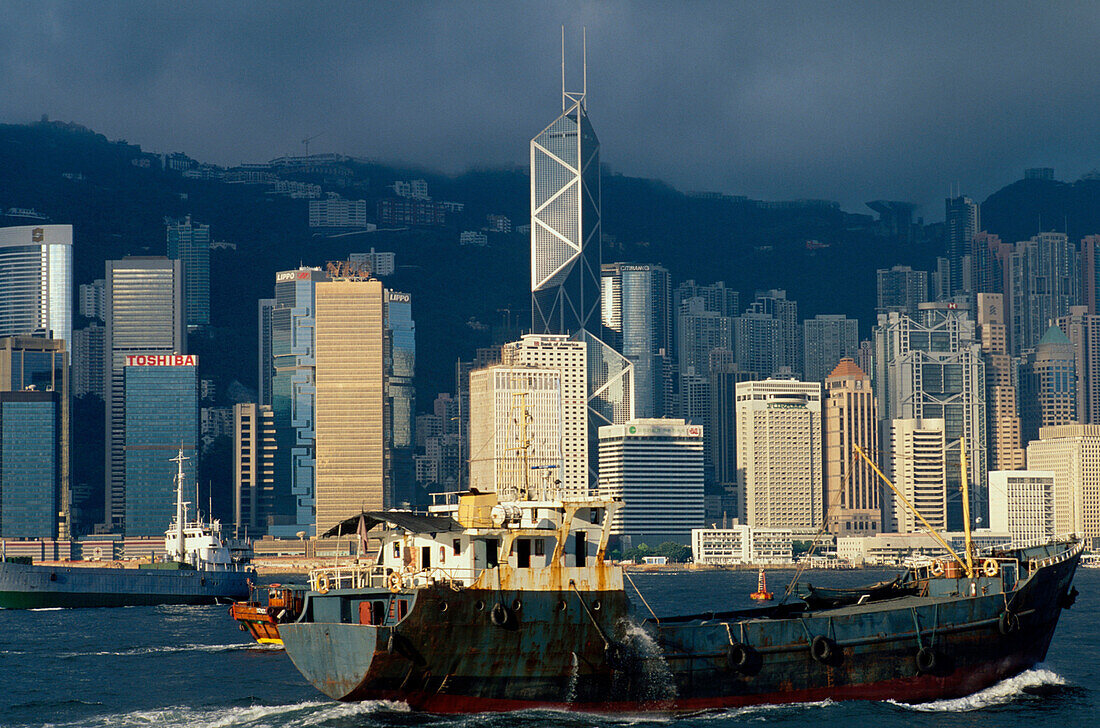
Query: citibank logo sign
[[162, 360]]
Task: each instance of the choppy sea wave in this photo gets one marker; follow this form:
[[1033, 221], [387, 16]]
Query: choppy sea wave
[[1003, 692]]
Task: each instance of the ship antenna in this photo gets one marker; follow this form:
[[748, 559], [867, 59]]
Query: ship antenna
[[179, 503]]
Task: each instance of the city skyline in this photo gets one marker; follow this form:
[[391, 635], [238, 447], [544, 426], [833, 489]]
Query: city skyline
[[778, 100]]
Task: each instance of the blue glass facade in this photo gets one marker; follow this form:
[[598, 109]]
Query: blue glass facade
[[162, 416], [30, 464], [400, 399]]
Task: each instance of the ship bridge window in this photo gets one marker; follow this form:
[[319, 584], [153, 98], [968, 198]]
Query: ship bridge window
[[595, 514], [540, 547]]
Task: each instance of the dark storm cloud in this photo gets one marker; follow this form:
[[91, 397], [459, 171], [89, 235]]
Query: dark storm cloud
[[847, 101]]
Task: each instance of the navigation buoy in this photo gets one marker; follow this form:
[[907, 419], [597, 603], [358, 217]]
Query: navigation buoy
[[762, 594]]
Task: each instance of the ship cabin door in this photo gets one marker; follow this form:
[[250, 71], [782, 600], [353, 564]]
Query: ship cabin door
[[492, 549], [523, 553], [580, 547], [425, 557]]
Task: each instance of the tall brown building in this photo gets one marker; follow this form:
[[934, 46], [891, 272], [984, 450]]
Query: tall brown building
[[852, 505], [1006, 451], [350, 448]]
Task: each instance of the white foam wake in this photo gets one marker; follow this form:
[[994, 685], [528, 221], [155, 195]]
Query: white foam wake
[[1003, 692], [300, 715]]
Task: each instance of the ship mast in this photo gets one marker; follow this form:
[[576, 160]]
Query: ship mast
[[178, 459]]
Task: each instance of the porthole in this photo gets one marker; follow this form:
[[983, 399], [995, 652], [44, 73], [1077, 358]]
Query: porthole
[[443, 606], [479, 605], [517, 605], [596, 605], [561, 605]]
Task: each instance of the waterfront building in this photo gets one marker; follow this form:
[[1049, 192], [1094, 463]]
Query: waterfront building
[[826, 340], [1048, 385], [161, 417], [741, 544], [901, 289], [1083, 329], [852, 504], [570, 359], [36, 267], [655, 466], [779, 453], [189, 243], [516, 431], [637, 313], [1006, 451], [1072, 453], [919, 473], [144, 317], [349, 324], [933, 369], [1021, 503], [254, 447]]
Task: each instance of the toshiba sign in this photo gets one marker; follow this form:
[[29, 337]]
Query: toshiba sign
[[162, 360]]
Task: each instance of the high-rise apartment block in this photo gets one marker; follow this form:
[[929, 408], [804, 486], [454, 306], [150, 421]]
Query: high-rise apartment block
[[961, 223], [35, 497], [919, 459], [516, 431], [779, 453], [1072, 453], [1048, 384], [901, 289], [765, 348], [93, 299], [637, 310], [852, 504], [338, 214], [254, 448], [88, 368], [1083, 330], [656, 467], [144, 317], [932, 369], [826, 340], [161, 417], [570, 359], [1041, 282], [716, 297], [349, 325], [36, 267], [377, 263], [189, 243], [1006, 450], [1021, 504]]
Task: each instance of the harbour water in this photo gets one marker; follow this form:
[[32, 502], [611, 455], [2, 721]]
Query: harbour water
[[190, 666]]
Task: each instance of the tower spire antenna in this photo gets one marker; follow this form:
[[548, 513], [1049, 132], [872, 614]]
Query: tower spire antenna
[[563, 67], [584, 63]]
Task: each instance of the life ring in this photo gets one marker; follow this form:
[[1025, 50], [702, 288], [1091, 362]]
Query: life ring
[[936, 568], [500, 615], [738, 656], [822, 649], [991, 568], [395, 582], [926, 659], [322, 583], [1008, 623], [97, 553]]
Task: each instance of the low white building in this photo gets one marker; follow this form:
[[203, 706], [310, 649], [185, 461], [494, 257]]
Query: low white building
[[1021, 503], [741, 545], [890, 549]]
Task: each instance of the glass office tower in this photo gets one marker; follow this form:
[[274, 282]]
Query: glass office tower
[[36, 281]]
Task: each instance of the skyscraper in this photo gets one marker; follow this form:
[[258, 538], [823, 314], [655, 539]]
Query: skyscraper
[[779, 454], [1048, 385], [933, 369], [266, 363], [826, 340], [292, 397], [88, 371], [36, 281], [189, 243], [1006, 450], [919, 473], [720, 425], [253, 466], [1083, 329], [901, 289], [636, 310], [1072, 453], [35, 431], [961, 223], [852, 505], [400, 364], [144, 317], [161, 417], [349, 321], [1041, 283]]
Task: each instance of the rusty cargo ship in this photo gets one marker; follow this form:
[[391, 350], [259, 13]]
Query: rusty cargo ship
[[503, 605]]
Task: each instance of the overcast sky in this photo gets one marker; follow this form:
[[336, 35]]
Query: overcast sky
[[838, 100]]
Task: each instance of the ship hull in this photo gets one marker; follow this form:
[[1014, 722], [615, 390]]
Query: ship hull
[[448, 655], [24, 586]]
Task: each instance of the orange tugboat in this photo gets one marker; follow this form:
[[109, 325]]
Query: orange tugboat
[[284, 604], [762, 594]]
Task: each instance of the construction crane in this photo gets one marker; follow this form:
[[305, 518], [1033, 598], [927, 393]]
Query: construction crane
[[308, 139]]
